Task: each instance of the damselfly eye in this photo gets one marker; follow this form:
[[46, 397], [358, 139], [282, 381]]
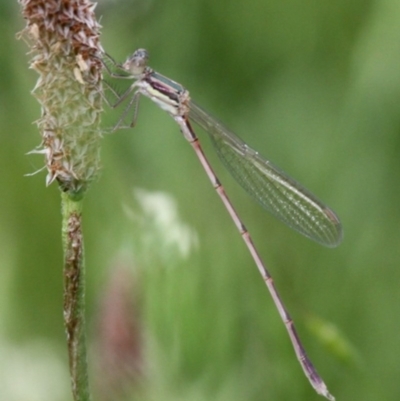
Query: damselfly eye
[[137, 62]]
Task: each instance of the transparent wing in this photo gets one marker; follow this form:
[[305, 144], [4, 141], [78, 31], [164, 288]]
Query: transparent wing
[[271, 187]]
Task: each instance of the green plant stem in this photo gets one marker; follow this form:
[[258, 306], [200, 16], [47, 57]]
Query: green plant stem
[[74, 296]]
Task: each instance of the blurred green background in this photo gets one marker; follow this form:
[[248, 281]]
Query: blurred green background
[[314, 86]]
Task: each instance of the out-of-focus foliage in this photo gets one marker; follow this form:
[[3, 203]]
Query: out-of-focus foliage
[[315, 86]]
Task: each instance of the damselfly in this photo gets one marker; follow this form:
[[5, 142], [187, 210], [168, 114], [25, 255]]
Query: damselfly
[[271, 187]]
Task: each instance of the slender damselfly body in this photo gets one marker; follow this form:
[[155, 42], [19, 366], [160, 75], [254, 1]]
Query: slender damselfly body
[[271, 187]]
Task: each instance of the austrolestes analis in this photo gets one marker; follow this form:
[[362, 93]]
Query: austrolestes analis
[[271, 187]]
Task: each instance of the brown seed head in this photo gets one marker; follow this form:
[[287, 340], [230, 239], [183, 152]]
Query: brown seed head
[[64, 37]]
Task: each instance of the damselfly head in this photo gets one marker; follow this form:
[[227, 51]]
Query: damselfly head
[[137, 62]]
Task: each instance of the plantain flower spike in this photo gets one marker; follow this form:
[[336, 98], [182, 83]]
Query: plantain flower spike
[[64, 38]]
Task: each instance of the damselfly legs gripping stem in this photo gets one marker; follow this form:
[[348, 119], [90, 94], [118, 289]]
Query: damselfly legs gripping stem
[[275, 190]]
